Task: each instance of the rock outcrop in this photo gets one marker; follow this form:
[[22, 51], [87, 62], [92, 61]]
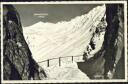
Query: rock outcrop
[[18, 63], [115, 36], [108, 62], [113, 46]]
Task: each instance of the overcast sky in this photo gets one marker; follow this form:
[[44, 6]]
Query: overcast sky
[[31, 14]]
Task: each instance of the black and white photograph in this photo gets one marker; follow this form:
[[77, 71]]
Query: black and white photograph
[[64, 41]]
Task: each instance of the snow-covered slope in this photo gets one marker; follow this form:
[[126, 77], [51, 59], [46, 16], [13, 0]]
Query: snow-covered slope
[[66, 72], [49, 40]]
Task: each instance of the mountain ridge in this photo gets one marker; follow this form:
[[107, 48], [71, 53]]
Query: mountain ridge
[[64, 37], [72, 20]]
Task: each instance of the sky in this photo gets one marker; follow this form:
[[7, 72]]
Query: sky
[[53, 13]]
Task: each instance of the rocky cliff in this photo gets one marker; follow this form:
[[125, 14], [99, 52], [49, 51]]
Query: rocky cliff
[[108, 62], [18, 63], [113, 46], [114, 38]]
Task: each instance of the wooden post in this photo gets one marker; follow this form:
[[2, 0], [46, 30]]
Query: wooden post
[[72, 59], [59, 61], [48, 62]]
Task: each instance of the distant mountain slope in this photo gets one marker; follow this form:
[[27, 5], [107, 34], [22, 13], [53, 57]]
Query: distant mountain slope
[[48, 40]]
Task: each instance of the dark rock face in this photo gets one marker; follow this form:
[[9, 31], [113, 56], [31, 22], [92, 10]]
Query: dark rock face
[[114, 38], [18, 63], [112, 49]]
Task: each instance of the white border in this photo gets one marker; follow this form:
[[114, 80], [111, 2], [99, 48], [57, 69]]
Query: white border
[[67, 81], [1, 42], [125, 42]]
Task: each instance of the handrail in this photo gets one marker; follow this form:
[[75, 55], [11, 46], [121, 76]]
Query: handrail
[[59, 57]]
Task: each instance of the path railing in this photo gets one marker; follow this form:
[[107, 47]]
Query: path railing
[[61, 59]]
